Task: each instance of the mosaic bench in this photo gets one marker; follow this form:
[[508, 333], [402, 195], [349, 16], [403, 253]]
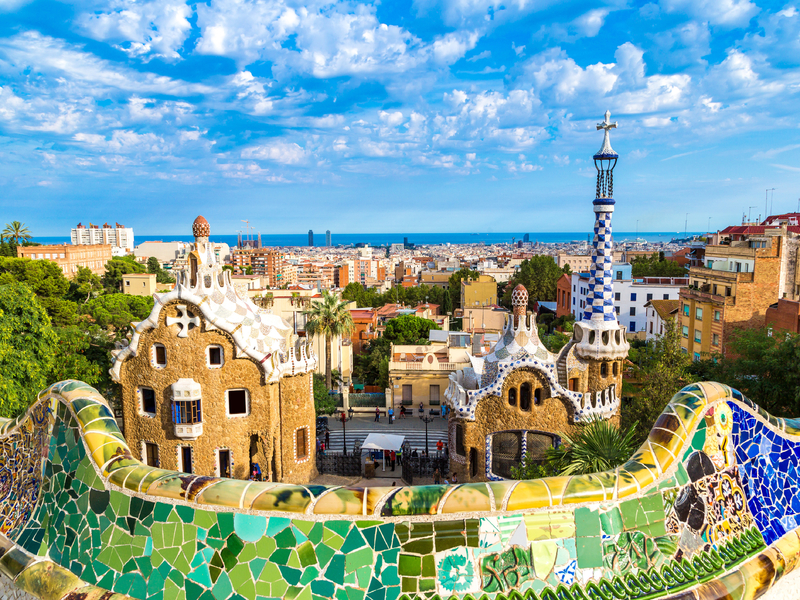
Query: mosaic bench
[[706, 510]]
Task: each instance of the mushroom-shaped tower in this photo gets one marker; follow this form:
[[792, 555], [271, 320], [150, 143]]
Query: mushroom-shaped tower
[[519, 303], [201, 229], [599, 336]]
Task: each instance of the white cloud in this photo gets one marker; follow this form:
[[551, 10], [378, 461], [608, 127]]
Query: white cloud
[[590, 23], [149, 28], [725, 13], [480, 56], [451, 47], [12, 5], [280, 151]]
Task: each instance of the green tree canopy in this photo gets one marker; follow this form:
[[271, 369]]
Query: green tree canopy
[[539, 275], [28, 347], [408, 296], [117, 268], [329, 317], [408, 329], [656, 266], [117, 311], [84, 286], [372, 365], [46, 280]]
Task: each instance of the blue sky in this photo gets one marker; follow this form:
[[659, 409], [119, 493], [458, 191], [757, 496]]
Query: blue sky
[[429, 115]]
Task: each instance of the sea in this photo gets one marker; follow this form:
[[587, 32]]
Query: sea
[[419, 239]]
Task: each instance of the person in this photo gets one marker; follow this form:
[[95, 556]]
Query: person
[[402, 411], [446, 482], [436, 477], [323, 448], [444, 409], [446, 451], [319, 445], [377, 414], [439, 447], [421, 409], [414, 453], [454, 479], [394, 483], [393, 458], [328, 438], [391, 416]]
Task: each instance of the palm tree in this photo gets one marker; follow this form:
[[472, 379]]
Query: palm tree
[[16, 231], [328, 317], [597, 446]]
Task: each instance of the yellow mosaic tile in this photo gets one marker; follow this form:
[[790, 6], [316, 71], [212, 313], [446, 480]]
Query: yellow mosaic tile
[[287, 498], [138, 474], [537, 526], [118, 476], [470, 497], [562, 525], [789, 547], [151, 477], [584, 488], [529, 494], [759, 579], [342, 501], [255, 490], [174, 486], [374, 497], [627, 485], [500, 490], [221, 492], [556, 485]]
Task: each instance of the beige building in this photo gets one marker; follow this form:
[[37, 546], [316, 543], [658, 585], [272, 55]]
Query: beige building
[[139, 284], [210, 385], [440, 279], [581, 263], [69, 258], [487, 318], [478, 292]]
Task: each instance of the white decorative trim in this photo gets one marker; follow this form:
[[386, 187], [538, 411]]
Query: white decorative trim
[[221, 356], [246, 404], [140, 402]]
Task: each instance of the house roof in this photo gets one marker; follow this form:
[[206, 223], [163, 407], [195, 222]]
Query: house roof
[[665, 308]]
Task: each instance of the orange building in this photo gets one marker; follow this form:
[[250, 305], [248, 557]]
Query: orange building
[[564, 295], [69, 258], [366, 328]]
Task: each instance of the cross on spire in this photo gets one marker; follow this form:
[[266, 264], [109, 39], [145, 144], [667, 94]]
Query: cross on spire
[[607, 124]]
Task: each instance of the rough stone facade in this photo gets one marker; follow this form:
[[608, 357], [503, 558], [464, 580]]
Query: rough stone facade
[[262, 435]]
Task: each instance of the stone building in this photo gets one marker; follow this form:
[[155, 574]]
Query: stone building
[[514, 402], [210, 384]]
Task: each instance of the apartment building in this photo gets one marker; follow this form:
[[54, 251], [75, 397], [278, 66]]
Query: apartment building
[[742, 277], [139, 284], [69, 258], [119, 237], [269, 263], [630, 295], [440, 279], [478, 292], [564, 295]]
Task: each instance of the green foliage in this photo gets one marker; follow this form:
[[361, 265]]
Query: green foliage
[[117, 311], [372, 365], [46, 280], [28, 347], [409, 329], [539, 275], [662, 369], [408, 296], [324, 403], [531, 469], [154, 267], [71, 360], [84, 286], [656, 266], [329, 317], [762, 364], [455, 284], [117, 268], [554, 341], [597, 446], [16, 232]]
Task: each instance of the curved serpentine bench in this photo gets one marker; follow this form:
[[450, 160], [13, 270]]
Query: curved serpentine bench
[[705, 510]]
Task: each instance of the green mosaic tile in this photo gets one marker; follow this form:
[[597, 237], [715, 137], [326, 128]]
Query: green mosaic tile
[[353, 541], [428, 566], [357, 559], [410, 564], [611, 521], [587, 522]]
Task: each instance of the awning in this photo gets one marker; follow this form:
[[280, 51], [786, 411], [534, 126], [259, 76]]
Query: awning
[[383, 441]]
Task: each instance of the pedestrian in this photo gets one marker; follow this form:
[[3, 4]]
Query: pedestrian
[[393, 457], [414, 453], [454, 479], [444, 410], [402, 411], [391, 416], [421, 409], [436, 477], [439, 447], [322, 448], [377, 415], [328, 438], [446, 451]]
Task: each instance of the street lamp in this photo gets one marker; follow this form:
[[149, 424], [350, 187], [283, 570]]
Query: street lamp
[[345, 419], [426, 419]]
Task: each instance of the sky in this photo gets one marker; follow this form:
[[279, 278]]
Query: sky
[[395, 116]]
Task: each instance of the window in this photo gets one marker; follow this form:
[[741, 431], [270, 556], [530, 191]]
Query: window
[[187, 462], [666, 296], [224, 457], [714, 289], [512, 397], [537, 396], [616, 309], [460, 450], [237, 402], [684, 350], [633, 297], [603, 369], [127, 282], [150, 454], [633, 311], [685, 331], [407, 396], [649, 297], [616, 296], [717, 315], [651, 328], [434, 395], [160, 355], [632, 327], [686, 309], [619, 275], [615, 369], [698, 314], [525, 396], [148, 401], [473, 462], [727, 291], [573, 384], [696, 356], [698, 335], [300, 443], [214, 355]]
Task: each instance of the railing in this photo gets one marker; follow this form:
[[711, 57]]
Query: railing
[[336, 463], [367, 400], [425, 366], [423, 466], [662, 280]]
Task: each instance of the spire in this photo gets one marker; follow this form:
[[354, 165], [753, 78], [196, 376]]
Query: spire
[[201, 228], [604, 161]]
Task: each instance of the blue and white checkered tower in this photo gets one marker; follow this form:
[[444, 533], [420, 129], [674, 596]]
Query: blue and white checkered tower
[[599, 335]]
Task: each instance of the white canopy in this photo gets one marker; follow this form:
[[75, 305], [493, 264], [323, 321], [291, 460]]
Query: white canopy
[[383, 441]]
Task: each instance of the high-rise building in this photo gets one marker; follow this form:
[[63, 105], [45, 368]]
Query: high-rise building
[[310, 237], [119, 237], [328, 238], [526, 238]]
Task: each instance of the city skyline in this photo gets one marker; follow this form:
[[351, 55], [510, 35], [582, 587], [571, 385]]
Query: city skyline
[[362, 117]]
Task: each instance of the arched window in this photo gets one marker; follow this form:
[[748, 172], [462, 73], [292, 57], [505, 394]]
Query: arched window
[[537, 396], [603, 369], [615, 369], [525, 396], [512, 397], [473, 462]]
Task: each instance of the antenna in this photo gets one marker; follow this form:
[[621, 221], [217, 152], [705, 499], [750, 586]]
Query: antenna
[[750, 214], [685, 225], [766, 196]]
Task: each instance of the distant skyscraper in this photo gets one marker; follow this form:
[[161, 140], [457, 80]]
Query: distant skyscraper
[[526, 238], [310, 237], [405, 241], [328, 238]]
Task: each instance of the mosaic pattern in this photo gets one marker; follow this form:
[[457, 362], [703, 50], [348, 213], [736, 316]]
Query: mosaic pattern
[[705, 510]]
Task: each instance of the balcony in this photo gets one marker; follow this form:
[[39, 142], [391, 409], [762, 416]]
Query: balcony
[[187, 413], [423, 366]]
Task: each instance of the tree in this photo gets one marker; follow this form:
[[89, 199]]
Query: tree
[[328, 317], [153, 265], [455, 284], [71, 360], [46, 280], [656, 266], [27, 348], [539, 275], [372, 365], [116, 269], [661, 369], [324, 403], [17, 232], [84, 286], [597, 446], [409, 329], [118, 311]]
